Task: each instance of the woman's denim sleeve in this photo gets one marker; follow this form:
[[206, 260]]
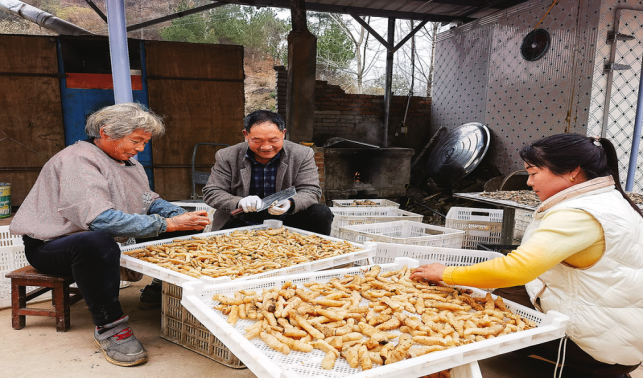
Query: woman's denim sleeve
[[118, 223], [165, 209]]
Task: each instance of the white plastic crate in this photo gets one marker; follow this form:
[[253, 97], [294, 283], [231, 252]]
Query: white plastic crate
[[470, 370], [265, 362], [348, 216], [522, 219], [404, 232], [386, 253], [379, 202], [480, 225], [176, 278], [12, 257]]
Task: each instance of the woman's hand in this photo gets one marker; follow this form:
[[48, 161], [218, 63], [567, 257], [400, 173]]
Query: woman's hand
[[430, 272], [196, 220]]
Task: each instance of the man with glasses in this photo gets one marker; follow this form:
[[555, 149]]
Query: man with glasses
[[262, 165]]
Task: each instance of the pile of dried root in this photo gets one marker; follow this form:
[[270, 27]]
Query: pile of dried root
[[241, 253], [334, 317]]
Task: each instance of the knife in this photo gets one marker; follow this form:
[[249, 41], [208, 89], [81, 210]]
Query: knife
[[271, 200]]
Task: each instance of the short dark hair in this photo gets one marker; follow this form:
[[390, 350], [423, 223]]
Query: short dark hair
[[562, 153], [261, 116]]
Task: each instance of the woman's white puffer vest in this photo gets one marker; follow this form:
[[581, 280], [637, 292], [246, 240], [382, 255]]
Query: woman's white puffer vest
[[605, 301]]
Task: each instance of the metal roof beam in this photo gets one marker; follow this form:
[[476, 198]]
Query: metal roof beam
[[332, 8], [408, 36], [175, 16], [368, 27], [491, 4], [388, 44], [465, 3], [97, 9]]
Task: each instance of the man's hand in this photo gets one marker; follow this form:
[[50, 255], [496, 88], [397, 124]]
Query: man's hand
[[280, 208], [250, 204], [430, 273], [196, 220]]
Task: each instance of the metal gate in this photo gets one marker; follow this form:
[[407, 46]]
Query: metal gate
[[623, 71]]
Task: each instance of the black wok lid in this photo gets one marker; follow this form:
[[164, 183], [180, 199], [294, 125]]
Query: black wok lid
[[458, 153]]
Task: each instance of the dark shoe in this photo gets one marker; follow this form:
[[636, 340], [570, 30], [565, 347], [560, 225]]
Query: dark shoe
[[119, 345], [150, 297]]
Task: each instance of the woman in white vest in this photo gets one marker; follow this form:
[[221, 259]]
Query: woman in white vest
[[582, 256]]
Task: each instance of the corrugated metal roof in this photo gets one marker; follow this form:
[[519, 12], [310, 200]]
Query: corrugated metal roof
[[431, 10]]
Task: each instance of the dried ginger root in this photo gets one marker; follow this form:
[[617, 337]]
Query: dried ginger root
[[240, 253], [274, 343], [328, 317]]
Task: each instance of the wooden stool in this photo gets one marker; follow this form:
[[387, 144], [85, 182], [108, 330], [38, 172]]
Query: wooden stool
[[60, 298]]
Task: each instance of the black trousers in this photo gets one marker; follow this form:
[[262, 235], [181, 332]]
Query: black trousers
[[317, 218], [93, 259], [578, 364]]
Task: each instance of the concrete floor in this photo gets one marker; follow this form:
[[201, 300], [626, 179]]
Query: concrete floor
[[39, 351]]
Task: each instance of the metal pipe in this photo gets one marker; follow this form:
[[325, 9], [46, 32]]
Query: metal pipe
[[636, 138], [42, 18], [97, 10], [118, 51], [389, 79]]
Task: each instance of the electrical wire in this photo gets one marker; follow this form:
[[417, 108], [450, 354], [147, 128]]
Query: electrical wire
[[541, 20]]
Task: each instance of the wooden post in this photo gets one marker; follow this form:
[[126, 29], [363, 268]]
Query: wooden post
[[302, 62], [298, 16]]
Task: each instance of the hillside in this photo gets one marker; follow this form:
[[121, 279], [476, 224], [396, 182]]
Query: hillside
[[260, 78]]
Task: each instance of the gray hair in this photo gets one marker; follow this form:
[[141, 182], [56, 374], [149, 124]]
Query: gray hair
[[120, 120]]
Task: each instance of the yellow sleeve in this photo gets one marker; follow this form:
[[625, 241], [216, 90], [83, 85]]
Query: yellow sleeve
[[569, 235]]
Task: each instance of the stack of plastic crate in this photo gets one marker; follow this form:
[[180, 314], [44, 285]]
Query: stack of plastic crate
[[360, 203], [480, 225], [404, 232], [523, 218], [12, 257], [348, 216], [182, 328]]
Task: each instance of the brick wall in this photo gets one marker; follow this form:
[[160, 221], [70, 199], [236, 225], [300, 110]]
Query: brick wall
[[360, 117]]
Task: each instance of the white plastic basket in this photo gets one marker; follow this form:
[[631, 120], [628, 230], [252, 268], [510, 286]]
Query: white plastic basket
[[12, 257], [386, 253], [348, 216], [265, 362], [379, 202], [480, 225], [176, 278], [522, 219], [404, 232], [470, 370]]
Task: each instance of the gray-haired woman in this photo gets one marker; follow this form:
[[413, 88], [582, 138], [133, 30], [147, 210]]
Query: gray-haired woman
[[88, 195]]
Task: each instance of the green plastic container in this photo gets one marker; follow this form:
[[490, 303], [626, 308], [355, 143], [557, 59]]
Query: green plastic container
[[5, 200]]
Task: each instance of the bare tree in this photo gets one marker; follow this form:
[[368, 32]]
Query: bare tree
[[365, 55], [412, 63]]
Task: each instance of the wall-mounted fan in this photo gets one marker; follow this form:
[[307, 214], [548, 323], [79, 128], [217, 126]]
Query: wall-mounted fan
[[535, 45]]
